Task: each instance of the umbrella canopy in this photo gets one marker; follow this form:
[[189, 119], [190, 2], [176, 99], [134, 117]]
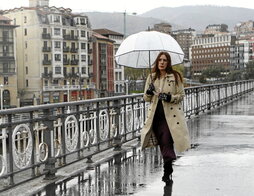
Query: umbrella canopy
[[141, 49]]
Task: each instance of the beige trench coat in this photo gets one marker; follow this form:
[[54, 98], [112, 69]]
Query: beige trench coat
[[173, 112]]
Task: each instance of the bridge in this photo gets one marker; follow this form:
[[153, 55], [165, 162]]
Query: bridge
[[92, 147]]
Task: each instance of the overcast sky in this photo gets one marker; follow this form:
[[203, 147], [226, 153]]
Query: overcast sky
[[130, 6]]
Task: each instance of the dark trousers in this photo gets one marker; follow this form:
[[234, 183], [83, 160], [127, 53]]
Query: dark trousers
[[163, 135]]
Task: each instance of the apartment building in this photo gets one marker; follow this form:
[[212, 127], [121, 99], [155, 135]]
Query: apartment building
[[119, 79], [185, 38], [53, 49], [163, 28], [103, 65], [241, 53], [244, 28], [8, 70], [211, 51], [216, 29]]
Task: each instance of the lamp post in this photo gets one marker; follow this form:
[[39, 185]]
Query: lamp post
[[1, 96], [124, 22]]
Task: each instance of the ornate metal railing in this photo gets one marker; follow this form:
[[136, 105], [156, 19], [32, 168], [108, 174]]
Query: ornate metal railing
[[38, 140]]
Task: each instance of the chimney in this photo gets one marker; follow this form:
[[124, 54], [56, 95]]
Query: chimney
[[35, 3]]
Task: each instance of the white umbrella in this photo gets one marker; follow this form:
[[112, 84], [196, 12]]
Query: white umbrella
[[141, 49]]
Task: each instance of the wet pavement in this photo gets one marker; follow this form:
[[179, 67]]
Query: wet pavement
[[221, 164]]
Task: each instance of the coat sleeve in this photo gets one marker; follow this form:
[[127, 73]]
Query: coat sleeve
[[179, 94], [146, 97]]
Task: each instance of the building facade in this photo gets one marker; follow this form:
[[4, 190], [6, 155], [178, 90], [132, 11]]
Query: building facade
[[52, 53], [244, 28], [211, 51], [185, 38], [163, 28], [216, 29], [242, 53], [8, 69], [119, 79], [103, 65]]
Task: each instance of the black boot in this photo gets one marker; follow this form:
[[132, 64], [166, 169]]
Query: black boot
[[168, 170]]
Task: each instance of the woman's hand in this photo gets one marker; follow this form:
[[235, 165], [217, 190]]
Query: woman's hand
[[165, 97], [150, 90]]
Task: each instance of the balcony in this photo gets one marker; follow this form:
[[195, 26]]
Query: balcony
[[72, 75], [9, 71], [70, 37], [74, 62], [74, 50], [61, 87], [46, 62], [46, 36], [66, 49], [46, 75], [46, 49]]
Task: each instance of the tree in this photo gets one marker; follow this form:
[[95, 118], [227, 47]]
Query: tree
[[249, 73]]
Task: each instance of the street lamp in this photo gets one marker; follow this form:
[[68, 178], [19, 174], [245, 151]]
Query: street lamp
[[124, 22], [1, 96]]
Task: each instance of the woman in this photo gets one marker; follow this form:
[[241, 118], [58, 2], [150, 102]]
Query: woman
[[165, 124]]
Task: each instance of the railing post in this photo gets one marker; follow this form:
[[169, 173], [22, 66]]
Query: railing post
[[117, 140], [218, 103], [11, 162], [50, 168], [209, 98], [197, 101]]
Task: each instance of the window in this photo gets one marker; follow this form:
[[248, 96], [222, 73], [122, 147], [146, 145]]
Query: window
[[45, 70], [58, 70], [83, 45], [6, 81], [55, 82], [65, 57], [45, 44], [83, 33], [83, 70], [73, 70], [26, 83], [44, 31], [25, 32], [56, 18], [57, 57], [57, 31], [65, 71], [5, 67], [82, 21], [46, 57], [25, 19], [57, 44], [83, 58], [26, 70], [26, 44], [46, 82]]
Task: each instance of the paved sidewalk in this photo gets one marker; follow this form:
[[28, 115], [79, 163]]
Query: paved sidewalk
[[223, 163]]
